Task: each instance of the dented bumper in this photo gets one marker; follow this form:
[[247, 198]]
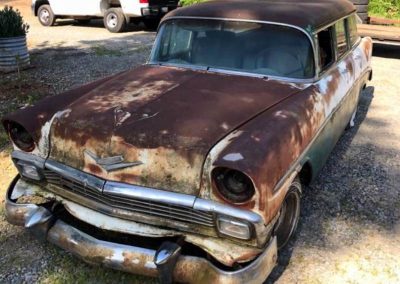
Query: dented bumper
[[134, 259]]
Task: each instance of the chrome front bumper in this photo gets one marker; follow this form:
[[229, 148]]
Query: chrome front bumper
[[138, 260]]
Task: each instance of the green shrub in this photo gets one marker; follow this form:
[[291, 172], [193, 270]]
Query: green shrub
[[190, 2], [12, 23], [385, 8]]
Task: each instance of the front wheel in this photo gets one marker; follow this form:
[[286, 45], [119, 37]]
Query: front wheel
[[114, 20], [46, 16], [289, 214]]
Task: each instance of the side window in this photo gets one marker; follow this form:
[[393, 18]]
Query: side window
[[341, 40], [326, 44], [352, 29]]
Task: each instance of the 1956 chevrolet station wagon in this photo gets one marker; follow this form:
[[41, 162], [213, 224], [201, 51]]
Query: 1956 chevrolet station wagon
[[190, 168]]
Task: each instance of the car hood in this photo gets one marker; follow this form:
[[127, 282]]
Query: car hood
[[153, 126]]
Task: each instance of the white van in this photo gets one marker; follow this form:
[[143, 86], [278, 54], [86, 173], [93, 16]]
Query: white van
[[115, 13]]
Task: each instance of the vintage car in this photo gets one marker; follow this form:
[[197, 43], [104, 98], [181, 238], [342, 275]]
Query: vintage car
[[190, 168]]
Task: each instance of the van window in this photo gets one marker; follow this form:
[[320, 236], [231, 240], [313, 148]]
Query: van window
[[352, 29], [341, 40], [325, 43]]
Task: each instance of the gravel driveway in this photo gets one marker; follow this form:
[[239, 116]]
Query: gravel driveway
[[350, 226]]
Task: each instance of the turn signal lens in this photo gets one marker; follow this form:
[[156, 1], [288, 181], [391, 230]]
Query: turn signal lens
[[234, 228], [29, 171]]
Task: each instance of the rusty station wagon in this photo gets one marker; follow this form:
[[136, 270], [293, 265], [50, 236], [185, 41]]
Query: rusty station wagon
[[190, 168]]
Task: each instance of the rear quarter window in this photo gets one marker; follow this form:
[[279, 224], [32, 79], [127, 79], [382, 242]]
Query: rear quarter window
[[341, 40], [352, 29]]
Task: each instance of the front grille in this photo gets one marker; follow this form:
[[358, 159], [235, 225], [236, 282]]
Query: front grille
[[150, 208]]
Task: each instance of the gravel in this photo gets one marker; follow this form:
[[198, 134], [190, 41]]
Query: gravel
[[349, 230]]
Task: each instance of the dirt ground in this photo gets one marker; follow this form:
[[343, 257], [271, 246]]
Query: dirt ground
[[350, 225]]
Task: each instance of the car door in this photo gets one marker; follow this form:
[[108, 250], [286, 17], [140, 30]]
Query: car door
[[76, 7], [338, 96]]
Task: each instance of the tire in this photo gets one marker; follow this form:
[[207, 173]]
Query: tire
[[83, 21], [151, 24], [114, 20], [289, 214], [46, 16]]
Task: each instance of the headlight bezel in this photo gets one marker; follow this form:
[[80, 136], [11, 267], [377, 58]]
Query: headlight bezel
[[19, 136], [223, 179]]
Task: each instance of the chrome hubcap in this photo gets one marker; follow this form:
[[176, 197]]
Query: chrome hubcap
[[44, 16], [112, 20], [288, 218]]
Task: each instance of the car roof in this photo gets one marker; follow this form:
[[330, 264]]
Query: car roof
[[309, 15]]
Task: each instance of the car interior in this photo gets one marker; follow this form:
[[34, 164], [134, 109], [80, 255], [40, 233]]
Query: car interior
[[259, 48]]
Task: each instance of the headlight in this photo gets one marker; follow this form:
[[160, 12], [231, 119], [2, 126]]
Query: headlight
[[20, 137], [29, 171], [233, 185], [234, 228]]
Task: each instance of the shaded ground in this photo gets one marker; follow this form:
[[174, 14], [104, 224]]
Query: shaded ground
[[350, 226]]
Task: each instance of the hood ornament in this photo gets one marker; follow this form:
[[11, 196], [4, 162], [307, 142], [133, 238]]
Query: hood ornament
[[112, 163]]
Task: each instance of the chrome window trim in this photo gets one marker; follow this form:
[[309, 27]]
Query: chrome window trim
[[225, 71], [322, 73]]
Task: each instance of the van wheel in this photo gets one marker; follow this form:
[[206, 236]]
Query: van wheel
[[46, 16], [289, 214], [114, 20]]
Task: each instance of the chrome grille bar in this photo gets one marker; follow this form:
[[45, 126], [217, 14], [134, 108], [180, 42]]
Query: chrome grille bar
[[170, 211]]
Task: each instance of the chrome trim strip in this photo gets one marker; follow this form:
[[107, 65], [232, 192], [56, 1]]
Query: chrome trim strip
[[229, 211], [33, 159], [75, 175], [294, 80], [148, 194]]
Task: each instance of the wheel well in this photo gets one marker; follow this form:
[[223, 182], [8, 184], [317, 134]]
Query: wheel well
[[40, 3], [107, 4], [306, 174]]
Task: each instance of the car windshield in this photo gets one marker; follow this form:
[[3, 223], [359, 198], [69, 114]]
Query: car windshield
[[265, 49]]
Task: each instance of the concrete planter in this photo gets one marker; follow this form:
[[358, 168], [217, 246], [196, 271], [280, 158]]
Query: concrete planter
[[13, 53]]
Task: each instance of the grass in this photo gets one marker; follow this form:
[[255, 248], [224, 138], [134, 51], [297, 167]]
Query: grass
[[389, 9], [17, 91], [100, 50]]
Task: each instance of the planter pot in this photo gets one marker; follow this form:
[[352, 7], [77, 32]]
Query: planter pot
[[13, 53]]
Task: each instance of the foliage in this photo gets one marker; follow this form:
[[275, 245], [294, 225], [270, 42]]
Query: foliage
[[191, 2], [12, 23], [385, 8]]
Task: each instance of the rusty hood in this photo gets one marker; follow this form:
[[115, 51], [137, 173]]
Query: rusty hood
[[153, 126]]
